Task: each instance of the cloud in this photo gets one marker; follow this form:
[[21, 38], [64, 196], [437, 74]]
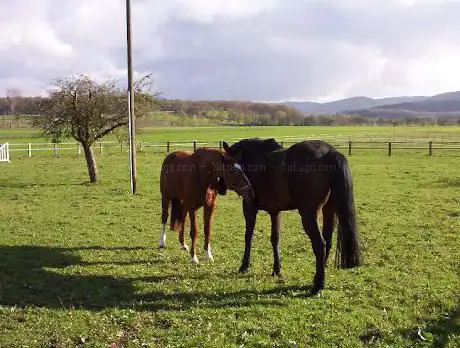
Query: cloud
[[238, 49]]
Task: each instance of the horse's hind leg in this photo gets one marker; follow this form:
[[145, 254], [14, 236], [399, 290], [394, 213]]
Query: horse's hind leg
[[164, 219], [182, 244], [275, 240], [193, 235], [208, 211], [328, 224], [310, 225]]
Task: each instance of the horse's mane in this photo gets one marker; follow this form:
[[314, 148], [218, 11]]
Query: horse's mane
[[256, 145], [208, 150]]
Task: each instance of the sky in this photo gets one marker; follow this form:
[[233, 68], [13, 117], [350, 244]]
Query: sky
[[260, 50]]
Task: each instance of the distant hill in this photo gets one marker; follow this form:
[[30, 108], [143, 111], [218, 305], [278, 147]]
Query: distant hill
[[354, 103], [447, 96], [446, 104]]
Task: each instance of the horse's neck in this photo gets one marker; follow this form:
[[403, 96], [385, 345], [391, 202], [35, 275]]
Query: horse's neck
[[268, 179]]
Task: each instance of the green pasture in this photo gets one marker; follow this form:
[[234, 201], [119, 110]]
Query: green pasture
[[216, 133], [79, 264], [155, 139]]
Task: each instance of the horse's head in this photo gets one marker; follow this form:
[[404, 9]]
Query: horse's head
[[236, 179], [222, 172], [219, 185]]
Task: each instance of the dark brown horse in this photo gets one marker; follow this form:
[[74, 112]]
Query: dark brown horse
[[191, 180], [308, 176]]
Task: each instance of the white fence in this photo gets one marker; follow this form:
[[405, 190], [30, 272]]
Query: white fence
[[4, 152], [347, 146]]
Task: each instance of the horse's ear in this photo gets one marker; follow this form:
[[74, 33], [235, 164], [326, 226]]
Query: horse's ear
[[225, 146]]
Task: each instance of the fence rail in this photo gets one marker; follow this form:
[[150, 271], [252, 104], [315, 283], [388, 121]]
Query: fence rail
[[4, 153], [347, 146]]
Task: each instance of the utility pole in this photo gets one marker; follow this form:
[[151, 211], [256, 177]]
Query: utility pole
[[131, 118]]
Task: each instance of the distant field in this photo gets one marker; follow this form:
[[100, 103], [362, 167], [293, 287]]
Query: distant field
[[79, 265], [210, 136], [216, 133]]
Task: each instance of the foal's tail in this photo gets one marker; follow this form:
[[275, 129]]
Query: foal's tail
[[348, 253], [176, 215]]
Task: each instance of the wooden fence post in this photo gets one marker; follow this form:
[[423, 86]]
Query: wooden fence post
[[167, 146], [30, 150], [194, 145], [121, 146], [100, 147], [349, 147], [54, 149], [389, 148], [430, 148], [282, 144], [220, 145], [140, 146]]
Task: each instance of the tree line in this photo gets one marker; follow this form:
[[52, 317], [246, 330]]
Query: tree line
[[236, 113]]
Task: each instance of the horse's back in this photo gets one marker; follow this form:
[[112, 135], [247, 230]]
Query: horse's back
[[173, 172], [309, 150], [309, 169]]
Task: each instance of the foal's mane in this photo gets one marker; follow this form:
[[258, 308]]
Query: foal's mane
[[207, 153], [208, 150]]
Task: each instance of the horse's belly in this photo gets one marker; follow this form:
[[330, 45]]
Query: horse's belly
[[276, 196]]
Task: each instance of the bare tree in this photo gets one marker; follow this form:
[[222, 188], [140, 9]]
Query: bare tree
[[13, 96], [87, 110]]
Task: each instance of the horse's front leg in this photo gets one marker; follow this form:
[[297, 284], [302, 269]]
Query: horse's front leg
[[275, 239], [250, 214]]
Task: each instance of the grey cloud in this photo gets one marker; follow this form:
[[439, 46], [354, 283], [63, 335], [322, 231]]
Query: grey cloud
[[295, 49]]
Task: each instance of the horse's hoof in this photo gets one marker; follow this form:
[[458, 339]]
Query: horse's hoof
[[161, 245], [209, 257], [183, 247], [243, 269], [279, 277], [316, 292], [194, 260]]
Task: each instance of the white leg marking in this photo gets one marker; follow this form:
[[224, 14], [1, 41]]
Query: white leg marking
[[183, 246], [194, 260], [162, 237], [209, 253]]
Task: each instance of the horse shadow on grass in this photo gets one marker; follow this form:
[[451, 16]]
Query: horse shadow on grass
[[37, 276], [27, 279]]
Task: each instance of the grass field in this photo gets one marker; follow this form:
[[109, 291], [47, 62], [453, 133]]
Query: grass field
[[154, 139], [176, 134], [79, 265]]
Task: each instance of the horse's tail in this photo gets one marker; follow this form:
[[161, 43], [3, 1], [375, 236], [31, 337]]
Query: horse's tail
[[176, 215], [348, 252]]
